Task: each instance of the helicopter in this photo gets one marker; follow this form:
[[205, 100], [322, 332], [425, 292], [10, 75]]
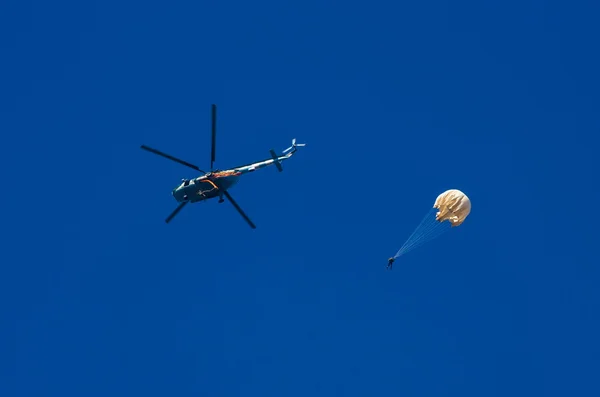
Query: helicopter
[[216, 183]]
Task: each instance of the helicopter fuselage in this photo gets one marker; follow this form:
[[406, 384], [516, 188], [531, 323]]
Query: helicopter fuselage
[[204, 187], [212, 184]]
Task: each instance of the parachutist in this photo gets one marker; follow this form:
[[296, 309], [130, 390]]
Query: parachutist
[[390, 262]]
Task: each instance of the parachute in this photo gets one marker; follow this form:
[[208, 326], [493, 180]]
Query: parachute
[[452, 206]]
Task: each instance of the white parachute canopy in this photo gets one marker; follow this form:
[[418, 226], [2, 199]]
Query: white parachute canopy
[[452, 206]]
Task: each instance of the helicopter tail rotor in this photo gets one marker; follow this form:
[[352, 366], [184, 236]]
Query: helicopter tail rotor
[[294, 146]]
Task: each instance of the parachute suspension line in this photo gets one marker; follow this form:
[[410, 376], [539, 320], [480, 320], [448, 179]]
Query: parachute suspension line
[[432, 227], [427, 230], [417, 243], [417, 229], [438, 231], [440, 228], [425, 223]]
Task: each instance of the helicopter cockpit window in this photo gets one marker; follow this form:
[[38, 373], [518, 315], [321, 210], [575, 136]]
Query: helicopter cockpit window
[[186, 182]]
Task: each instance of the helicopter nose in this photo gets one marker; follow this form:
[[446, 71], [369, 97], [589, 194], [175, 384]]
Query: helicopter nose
[[177, 194]]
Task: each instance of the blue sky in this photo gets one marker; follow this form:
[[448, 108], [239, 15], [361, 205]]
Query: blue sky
[[396, 103]]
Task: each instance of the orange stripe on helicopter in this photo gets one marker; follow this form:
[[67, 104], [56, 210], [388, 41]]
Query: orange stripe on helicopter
[[228, 173], [211, 182]]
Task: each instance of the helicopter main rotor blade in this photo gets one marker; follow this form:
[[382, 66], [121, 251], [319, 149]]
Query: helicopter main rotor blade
[[214, 136], [171, 158], [237, 207], [176, 211]]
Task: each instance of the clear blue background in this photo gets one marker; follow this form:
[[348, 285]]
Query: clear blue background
[[396, 103]]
